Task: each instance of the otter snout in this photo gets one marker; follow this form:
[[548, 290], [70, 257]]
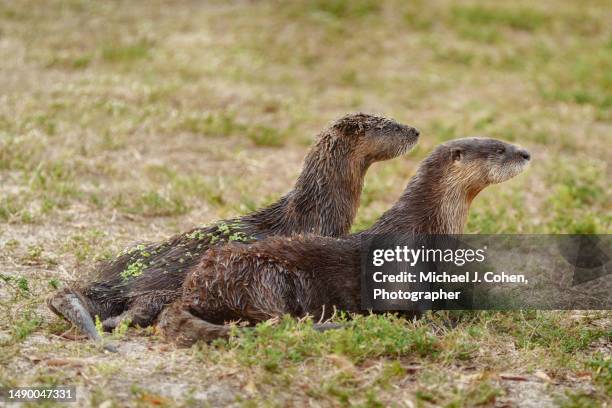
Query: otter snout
[[518, 153], [524, 154], [407, 136], [411, 132]]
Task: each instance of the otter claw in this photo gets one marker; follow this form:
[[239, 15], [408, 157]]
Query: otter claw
[[327, 326]]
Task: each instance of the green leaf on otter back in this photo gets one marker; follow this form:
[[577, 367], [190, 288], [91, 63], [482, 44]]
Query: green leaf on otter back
[[197, 234], [239, 236], [134, 269]]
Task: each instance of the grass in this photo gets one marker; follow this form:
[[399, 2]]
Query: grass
[[122, 53], [517, 18], [160, 117]]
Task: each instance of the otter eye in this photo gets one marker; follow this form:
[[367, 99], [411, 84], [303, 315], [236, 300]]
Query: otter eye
[[501, 150]]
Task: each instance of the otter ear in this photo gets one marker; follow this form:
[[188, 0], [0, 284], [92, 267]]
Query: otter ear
[[456, 153], [349, 127]]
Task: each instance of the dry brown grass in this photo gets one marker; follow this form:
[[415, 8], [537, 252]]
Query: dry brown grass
[[130, 121]]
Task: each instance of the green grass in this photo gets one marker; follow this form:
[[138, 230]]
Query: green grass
[[516, 18], [377, 336], [155, 204], [211, 124], [283, 352], [128, 122], [266, 136], [123, 53], [343, 9]]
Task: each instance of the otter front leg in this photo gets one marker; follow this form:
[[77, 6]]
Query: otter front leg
[[110, 324], [142, 312]]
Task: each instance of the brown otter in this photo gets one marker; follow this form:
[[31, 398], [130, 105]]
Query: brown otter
[[312, 275], [140, 281]]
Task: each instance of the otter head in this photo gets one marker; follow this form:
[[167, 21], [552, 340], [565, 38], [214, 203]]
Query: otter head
[[373, 138], [477, 162]]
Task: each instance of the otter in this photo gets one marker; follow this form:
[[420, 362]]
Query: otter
[[137, 284], [313, 275]]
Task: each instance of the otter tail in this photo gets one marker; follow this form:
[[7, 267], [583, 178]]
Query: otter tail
[[67, 304]]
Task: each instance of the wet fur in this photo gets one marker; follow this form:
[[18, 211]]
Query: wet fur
[[324, 201], [313, 275]]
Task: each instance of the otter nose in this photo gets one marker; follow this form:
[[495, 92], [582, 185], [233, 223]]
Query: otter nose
[[524, 154]]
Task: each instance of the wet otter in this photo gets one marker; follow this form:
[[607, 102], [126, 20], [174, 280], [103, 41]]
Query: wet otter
[[312, 275], [140, 281]]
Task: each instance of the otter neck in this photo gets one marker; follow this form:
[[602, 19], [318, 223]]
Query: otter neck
[[325, 198], [432, 203]]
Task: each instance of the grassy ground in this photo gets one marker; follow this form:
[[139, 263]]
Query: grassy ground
[[130, 121]]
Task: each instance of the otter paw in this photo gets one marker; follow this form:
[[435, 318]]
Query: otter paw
[[110, 347], [110, 324], [327, 326]]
